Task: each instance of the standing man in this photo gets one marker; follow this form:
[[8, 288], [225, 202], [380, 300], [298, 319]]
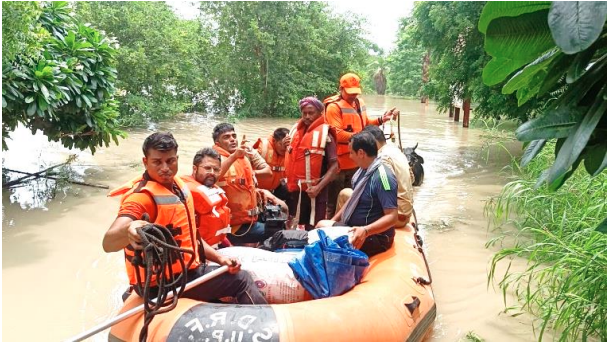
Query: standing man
[[347, 114], [210, 201], [272, 150], [311, 164], [237, 178], [161, 197], [371, 211]]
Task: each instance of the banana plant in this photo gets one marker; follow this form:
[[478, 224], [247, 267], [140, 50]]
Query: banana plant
[[560, 49]]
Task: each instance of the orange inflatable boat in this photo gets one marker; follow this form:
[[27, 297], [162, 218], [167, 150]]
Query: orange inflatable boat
[[394, 302]]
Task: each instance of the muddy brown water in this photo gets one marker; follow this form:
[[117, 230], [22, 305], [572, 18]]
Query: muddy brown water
[[58, 282]]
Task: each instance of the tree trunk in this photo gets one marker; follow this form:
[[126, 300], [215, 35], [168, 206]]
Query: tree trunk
[[380, 82]]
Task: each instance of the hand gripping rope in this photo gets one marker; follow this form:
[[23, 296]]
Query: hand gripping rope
[[160, 251]]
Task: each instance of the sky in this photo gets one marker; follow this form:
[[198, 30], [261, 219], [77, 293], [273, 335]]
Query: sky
[[382, 16]]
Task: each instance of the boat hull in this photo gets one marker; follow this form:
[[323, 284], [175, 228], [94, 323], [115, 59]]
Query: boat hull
[[388, 305]]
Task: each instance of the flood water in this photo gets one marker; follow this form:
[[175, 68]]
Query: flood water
[[58, 282]]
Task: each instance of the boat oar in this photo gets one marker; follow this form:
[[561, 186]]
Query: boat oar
[[139, 308]]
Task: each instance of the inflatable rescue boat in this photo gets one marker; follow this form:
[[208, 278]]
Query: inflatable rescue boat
[[393, 302]]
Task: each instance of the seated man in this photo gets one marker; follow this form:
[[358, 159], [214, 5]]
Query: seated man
[[371, 211], [161, 197], [394, 159], [273, 150], [237, 179], [210, 201]]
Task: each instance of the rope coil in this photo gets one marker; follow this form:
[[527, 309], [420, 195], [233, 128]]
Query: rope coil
[[160, 251]]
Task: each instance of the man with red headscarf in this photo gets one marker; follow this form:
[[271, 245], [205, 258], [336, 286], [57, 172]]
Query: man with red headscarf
[[311, 164]]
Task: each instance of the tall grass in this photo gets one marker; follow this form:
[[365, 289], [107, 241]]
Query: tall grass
[[565, 281]]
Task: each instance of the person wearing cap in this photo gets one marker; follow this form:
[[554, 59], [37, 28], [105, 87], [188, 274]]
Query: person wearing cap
[[346, 113]]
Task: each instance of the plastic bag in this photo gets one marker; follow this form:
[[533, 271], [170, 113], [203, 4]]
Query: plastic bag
[[329, 267]]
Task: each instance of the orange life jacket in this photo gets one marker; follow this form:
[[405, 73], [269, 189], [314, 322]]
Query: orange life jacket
[[351, 121], [305, 154], [212, 212], [267, 150], [170, 210], [239, 185]]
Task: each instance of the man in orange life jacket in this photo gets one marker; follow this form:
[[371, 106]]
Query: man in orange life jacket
[[237, 179], [347, 114], [210, 201], [272, 150], [161, 197], [311, 164]]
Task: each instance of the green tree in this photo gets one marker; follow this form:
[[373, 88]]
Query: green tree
[[162, 62], [405, 62], [268, 55], [20, 29], [63, 82], [448, 31]]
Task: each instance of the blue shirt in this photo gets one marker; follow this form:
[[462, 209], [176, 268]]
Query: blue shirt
[[375, 199]]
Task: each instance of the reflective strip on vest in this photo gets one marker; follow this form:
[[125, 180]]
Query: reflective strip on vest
[[323, 139], [315, 135], [278, 168], [348, 110], [225, 230], [167, 199]]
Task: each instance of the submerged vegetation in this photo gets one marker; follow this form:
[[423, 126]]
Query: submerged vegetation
[[564, 283]]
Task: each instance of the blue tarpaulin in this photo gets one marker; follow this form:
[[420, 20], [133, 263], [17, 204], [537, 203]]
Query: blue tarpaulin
[[329, 267]]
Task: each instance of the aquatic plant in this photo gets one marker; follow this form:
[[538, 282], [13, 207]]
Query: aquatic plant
[[565, 281]]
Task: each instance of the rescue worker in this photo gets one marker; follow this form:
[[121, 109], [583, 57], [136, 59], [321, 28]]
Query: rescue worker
[[347, 114], [272, 150], [161, 197], [237, 179], [311, 164], [210, 201]]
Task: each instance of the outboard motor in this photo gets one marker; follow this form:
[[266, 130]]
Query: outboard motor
[[415, 162]]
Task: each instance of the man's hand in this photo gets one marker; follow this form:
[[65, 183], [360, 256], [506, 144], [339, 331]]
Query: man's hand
[[325, 223], [359, 234], [232, 263], [390, 115], [287, 140], [313, 191], [133, 236], [239, 152]]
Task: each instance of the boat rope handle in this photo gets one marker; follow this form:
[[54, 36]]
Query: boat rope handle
[[413, 305], [420, 244]]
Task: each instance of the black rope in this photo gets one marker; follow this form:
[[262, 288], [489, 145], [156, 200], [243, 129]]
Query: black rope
[[160, 251], [420, 248]]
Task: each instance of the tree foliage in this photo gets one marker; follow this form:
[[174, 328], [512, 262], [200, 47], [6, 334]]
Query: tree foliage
[[268, 55], [19, 29], [405, 62], [63, 82], [162, 62], [447, 30], [561, 49]]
